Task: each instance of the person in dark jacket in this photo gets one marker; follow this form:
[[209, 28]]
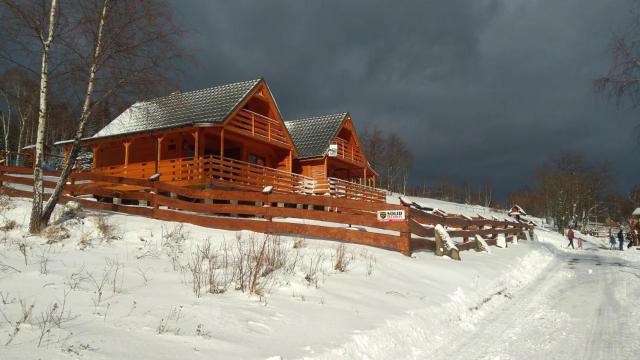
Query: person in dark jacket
[[570, 236], [621, 239]]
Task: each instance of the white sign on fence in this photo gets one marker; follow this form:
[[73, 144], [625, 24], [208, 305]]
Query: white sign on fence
[[391, 215], [333, 150]]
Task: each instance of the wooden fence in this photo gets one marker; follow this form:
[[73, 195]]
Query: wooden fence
[[279, 213]]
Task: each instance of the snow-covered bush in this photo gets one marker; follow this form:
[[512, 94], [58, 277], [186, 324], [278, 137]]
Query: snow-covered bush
[[71, 210], [5, 203]]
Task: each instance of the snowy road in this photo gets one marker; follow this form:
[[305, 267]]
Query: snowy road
[[585, 306]]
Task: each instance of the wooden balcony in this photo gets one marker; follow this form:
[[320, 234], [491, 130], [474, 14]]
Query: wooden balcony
[[348, 152], [259, 126]]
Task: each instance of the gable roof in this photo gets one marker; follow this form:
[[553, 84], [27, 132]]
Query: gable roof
[[312, 136], [212, 105], [516, 209]]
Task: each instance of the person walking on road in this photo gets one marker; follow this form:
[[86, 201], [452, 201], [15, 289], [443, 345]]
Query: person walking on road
[[621, 239], [612, 241], [570, 236]]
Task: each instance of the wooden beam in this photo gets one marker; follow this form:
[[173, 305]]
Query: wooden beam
[[290, 161]]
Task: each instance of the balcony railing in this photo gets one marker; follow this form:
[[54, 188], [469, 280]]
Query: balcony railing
[[260, 126], [348, 152]]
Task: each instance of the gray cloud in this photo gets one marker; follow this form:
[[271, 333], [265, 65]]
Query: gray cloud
[[481, 89]]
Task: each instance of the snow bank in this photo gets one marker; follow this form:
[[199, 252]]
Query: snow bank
[[384, 305], [421, 332]]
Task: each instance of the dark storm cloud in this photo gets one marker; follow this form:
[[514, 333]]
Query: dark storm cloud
[[482, 90]]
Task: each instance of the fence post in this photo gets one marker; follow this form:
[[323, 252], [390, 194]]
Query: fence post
[[405, 234], [154, 200], [1, 172]]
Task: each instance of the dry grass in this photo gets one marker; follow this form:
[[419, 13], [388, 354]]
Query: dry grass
[[342, 259], [55, 233], [106, 230]]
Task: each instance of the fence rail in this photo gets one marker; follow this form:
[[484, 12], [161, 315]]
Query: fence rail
[[281, 213]]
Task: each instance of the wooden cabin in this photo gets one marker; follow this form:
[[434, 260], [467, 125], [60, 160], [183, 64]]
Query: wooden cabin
[[230, 136], [517, 212], [635, 218], [329, 148]]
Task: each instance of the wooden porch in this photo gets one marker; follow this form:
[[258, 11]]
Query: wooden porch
[[212, 171]]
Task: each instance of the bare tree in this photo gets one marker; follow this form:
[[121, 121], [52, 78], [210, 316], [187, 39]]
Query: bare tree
[[622, 81], [111, 49]]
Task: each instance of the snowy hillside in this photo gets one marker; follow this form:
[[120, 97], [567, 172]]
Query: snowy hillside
[[111, 286]]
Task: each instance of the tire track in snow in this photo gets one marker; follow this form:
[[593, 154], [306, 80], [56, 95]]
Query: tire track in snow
[[583, 307]]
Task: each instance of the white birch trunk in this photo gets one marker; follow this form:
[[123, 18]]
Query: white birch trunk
[[84, 116], [35, 224], [6, 129]]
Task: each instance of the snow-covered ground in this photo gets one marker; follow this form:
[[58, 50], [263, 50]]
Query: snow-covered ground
[[113, 286]]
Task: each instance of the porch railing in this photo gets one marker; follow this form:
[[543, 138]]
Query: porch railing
[[214, 169], [345, 189]]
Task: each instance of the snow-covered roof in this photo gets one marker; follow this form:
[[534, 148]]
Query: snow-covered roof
[[636, 212], [313, 135], [212, 105], [516, 209]]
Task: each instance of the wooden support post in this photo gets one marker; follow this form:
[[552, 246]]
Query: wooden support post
[[126, 155], [326, 174], [269, 129], [405, 234], [94, 150], [196, 144], [158, 152], [160, 147], [365, 177], [290, 164], [222, 144], [66, 153], [253, 124]]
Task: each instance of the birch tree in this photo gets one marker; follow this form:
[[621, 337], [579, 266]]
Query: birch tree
[[35, 225]]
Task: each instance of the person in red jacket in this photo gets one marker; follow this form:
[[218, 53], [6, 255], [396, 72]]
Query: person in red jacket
[[570, 236]]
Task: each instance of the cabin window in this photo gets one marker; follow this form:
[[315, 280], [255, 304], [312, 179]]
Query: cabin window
[[257, 160], [171, 147]]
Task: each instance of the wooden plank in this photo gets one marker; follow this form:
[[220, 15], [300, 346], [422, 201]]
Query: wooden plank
[[318, 215]]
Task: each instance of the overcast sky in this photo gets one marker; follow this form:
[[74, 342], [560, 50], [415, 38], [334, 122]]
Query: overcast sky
[[481, 90]]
